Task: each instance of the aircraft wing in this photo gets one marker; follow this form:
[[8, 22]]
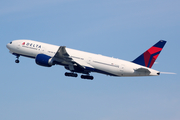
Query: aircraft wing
[[63, 58], [62, 55]]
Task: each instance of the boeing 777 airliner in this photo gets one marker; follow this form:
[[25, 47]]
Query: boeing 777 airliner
[[83, 62]]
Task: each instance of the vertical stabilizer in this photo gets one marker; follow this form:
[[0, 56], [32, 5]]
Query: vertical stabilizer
[[149, 57]]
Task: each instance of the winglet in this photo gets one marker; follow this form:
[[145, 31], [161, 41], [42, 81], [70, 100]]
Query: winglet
[[149, 57]]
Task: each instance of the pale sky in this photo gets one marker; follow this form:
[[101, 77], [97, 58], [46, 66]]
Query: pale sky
[[115, 28]]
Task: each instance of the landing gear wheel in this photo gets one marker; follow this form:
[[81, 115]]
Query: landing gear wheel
[[71, 74], [17, 61], [17, 56], [87, 77]]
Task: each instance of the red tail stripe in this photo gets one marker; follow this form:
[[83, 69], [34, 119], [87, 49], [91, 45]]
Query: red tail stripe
[[153, 50], [153, 60], [147, 56]]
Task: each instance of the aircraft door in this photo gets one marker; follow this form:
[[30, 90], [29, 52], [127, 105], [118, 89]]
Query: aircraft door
[[18, 45], [42, 49], [89, 60], [121, 67]]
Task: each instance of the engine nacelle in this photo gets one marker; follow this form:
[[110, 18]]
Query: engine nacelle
[[44, 60]]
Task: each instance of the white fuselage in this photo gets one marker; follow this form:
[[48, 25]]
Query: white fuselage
[[108, 65]]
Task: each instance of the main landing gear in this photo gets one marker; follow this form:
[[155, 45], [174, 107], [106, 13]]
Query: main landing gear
[[87, 77], [82, 76], [71, 74]]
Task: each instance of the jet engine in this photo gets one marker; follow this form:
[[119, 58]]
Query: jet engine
[[44, 60]]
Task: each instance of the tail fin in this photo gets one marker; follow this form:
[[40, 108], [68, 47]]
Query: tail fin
[[149, 57]]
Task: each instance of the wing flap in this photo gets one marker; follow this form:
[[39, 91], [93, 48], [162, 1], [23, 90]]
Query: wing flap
[[82, 63]]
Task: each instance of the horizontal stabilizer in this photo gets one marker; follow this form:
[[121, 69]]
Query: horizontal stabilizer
[[144, 70]]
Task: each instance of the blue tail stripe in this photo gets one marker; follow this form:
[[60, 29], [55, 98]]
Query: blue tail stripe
[[152, 57], [140, 60], [160, 44]]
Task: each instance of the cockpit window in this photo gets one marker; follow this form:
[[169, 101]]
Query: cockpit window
[[10, 42]]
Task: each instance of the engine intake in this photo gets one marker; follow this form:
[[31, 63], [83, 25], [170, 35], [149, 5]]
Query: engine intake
[[44, 60]]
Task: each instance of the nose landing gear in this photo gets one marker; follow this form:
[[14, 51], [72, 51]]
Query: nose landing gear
[[17, 60]]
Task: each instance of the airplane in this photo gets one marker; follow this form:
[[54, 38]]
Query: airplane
[[84, 63]]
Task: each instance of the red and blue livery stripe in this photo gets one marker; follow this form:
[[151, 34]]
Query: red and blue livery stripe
[[149, 57]]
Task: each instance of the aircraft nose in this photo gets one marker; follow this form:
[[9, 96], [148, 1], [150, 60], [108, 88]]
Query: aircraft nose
[[8, 45]]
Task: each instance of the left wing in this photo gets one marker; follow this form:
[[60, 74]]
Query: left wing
[[76, 65], [62, 56]]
